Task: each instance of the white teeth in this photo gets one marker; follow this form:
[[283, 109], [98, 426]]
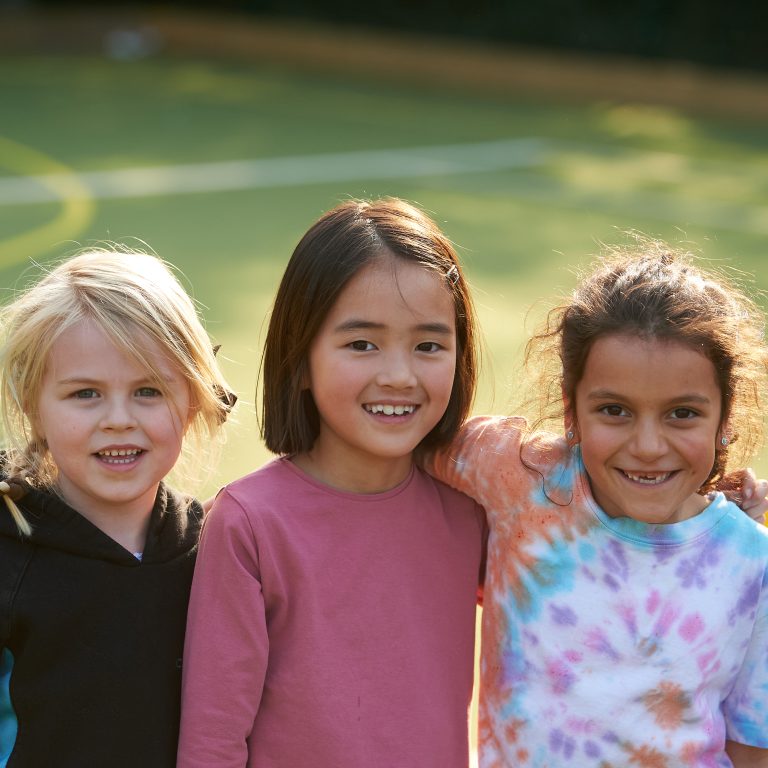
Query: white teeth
[[121, 456], [648, 479], [390, 410]]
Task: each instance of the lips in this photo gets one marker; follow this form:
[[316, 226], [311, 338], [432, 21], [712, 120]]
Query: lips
[[388, 409], [119, 455], [647, 478]]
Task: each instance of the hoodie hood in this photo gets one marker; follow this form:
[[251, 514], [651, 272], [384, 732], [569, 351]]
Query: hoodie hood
[[174, 528]]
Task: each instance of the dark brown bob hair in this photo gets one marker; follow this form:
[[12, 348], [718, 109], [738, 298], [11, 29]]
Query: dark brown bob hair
[[337, 246]]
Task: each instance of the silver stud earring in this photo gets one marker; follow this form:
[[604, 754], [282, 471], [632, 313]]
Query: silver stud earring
[[569, 435], [723, 441]]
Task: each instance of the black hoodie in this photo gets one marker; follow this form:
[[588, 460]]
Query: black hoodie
[[91, 638]]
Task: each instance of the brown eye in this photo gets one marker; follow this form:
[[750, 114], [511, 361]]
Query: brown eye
[[613, 410], [362, 346], [684, 413]]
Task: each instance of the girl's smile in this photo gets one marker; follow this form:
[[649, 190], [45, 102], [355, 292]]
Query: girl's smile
[[647, 478], [113, 431], [119, 456], [388, 409], [647, 415], [382, 369]]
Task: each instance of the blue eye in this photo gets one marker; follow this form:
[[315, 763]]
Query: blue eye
[[148, 392], [85, 394]]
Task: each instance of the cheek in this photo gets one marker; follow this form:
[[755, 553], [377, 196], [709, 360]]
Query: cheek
[[703, 448], [177, 420], [597, 447], [438, 375], [182, 407]]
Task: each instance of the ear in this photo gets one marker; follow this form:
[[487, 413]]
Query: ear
[[569, 420], [724, 436], [37, 433]]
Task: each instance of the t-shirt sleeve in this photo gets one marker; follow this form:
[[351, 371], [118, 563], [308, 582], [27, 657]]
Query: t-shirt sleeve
[[485, 450], [226, 647], [746, 707]]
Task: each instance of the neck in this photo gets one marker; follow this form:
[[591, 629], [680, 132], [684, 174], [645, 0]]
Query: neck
[[371, 477]]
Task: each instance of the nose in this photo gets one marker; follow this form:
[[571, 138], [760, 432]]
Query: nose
[[648, 440], [118, 414], [397, 370]]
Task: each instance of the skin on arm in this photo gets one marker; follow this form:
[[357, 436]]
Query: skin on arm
[[743, 756]]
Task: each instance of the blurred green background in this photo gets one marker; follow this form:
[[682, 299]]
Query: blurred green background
[[220, 164]]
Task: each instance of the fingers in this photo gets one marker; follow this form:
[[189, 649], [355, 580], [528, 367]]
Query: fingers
[[754, 494]]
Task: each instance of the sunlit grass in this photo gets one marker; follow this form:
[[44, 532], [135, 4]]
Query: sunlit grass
[[607, 168]]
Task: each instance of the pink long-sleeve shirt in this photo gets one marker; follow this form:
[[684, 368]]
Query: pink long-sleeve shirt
[[329, 629]]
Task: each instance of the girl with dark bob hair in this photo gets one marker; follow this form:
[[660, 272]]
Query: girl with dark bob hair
[[333, 608]]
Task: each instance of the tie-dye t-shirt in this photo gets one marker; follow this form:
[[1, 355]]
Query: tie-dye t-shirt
[[607, 642]]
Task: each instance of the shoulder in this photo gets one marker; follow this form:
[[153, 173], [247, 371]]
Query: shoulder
[[494, 433], [425, 482], [506, 444], [450, 501], [180, 505], [274, 481], [501, 436], [270, 489], [483, 442], [754, 535], [744, 537]]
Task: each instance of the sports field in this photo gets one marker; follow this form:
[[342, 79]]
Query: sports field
[[219, 167]]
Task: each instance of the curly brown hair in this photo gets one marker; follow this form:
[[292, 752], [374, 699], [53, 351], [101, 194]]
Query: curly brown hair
[[656, 292]]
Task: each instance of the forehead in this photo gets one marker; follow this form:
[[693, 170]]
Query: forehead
[[85, 348], [390, 287], [648, 366]]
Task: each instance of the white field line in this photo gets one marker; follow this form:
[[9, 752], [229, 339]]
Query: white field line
[[411, 162], [283, 171]]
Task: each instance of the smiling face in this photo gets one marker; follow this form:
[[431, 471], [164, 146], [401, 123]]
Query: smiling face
[[382, 368], [647, 415], [111, 430]]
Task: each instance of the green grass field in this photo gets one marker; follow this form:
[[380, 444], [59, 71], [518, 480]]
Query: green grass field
[[523, 212]]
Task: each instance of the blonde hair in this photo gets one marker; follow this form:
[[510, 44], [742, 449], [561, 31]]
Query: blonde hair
[[131, 297]]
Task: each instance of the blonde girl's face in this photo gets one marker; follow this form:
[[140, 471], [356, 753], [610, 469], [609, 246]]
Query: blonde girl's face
[[113, 433], [647, 415], [381, 368]]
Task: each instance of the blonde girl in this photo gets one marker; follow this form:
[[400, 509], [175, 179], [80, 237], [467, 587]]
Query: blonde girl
[[105, 371]]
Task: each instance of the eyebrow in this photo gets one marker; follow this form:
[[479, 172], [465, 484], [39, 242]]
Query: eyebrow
[[89, 382], [367, 325], [606, 394]]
